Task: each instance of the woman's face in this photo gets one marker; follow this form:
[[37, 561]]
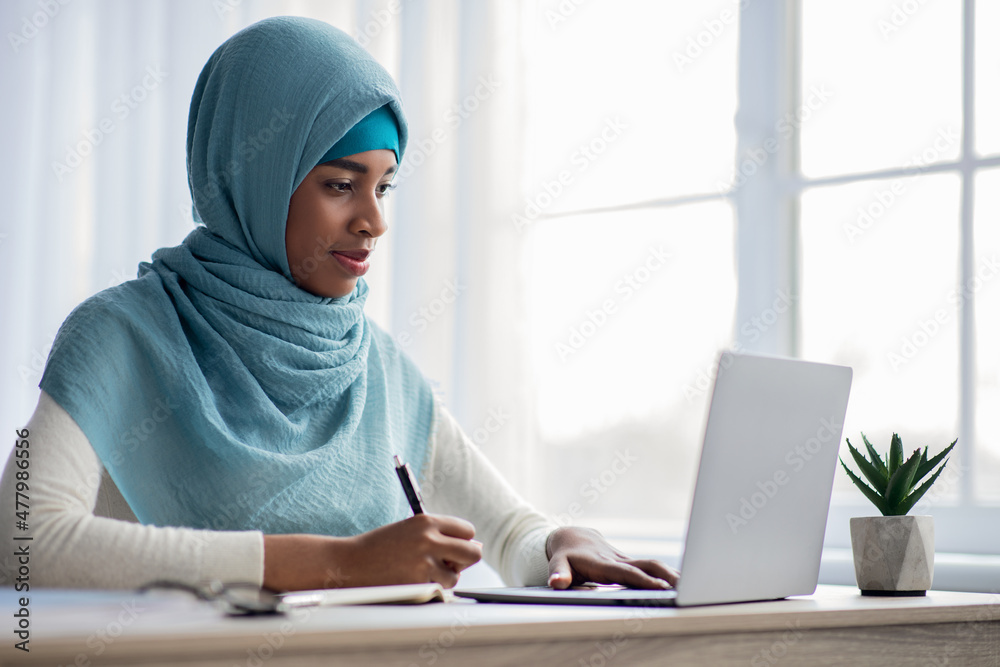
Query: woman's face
[[335, 218]]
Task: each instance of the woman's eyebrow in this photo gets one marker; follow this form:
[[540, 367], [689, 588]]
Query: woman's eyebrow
[[351, 165]]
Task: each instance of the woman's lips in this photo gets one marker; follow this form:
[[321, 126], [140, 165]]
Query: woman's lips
[[354, 262]]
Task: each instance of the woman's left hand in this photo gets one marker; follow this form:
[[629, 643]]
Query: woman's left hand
[[580, 555]]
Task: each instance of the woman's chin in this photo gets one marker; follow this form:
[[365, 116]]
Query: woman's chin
[[329, 289]]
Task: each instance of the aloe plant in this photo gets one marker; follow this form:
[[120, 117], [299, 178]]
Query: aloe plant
[[893, 480]]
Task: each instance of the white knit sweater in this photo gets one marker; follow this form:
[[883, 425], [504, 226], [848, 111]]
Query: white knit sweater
[[85, 535]]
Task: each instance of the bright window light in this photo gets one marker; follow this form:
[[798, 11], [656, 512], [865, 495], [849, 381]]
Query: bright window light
[[987, 77], [895, 80], [986, 290], [624, 337], [655, 82], [628, 306], [881, 297]]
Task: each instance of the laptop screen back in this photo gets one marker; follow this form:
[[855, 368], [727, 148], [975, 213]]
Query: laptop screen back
[[764, 481]]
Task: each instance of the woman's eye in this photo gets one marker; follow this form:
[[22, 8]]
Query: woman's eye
[[384, 188], [339, 187]]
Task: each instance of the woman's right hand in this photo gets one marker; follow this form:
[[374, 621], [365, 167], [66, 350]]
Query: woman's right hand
[[422, 549]]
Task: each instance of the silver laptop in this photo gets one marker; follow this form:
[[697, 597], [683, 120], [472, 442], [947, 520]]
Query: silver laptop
[[762, 494]]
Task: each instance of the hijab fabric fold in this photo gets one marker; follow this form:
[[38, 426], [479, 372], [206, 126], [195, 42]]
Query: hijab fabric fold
[[216, 392]]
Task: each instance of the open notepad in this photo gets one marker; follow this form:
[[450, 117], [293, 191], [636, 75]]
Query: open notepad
[[402, 594]]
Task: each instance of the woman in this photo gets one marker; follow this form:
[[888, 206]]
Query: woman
[[244, 410]]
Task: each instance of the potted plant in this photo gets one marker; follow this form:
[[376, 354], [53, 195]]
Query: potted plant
[[894, 553]]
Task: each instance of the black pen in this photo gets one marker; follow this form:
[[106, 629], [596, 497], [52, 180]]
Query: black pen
[[410, 486]]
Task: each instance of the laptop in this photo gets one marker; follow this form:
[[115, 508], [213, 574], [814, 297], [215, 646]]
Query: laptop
[[761, 496]]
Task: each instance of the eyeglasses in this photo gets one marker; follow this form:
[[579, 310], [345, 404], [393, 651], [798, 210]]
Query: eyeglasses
[[235, 599]]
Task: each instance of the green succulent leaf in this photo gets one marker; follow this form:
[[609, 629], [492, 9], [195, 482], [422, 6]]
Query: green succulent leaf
[[907, 503], [895, 454], [877, 477], [869, 492], [901, 481], [876, 459], [892, 479], [928, 464]]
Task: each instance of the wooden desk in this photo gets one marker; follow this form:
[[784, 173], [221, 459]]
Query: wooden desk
[[835, 626]]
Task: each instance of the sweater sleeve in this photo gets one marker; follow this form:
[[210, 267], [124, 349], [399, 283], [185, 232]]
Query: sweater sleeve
[[460, 481], [73, 547]]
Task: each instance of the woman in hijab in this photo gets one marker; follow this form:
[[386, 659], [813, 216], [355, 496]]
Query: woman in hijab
[[232, 414]]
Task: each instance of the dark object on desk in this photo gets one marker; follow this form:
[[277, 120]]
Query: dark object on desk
[[614, 596], [236, 599], [894, 594]]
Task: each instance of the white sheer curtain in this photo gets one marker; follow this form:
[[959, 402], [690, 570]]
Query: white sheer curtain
[[457, 275], [95, 115]]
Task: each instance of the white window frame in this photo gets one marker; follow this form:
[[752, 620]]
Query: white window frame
[[768, 249]]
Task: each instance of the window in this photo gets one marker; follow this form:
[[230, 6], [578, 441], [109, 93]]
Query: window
[[629, 243], [863, 194], [898, 232]]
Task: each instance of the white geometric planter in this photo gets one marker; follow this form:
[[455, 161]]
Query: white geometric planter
[[893, 555]]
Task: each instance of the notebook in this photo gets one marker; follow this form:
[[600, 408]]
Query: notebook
[[762, 491], [400, 594]]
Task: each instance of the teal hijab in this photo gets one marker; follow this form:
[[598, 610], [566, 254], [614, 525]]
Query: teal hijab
[[215, 391]]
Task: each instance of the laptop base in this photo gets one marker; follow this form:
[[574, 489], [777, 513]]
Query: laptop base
[[600, 596]]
